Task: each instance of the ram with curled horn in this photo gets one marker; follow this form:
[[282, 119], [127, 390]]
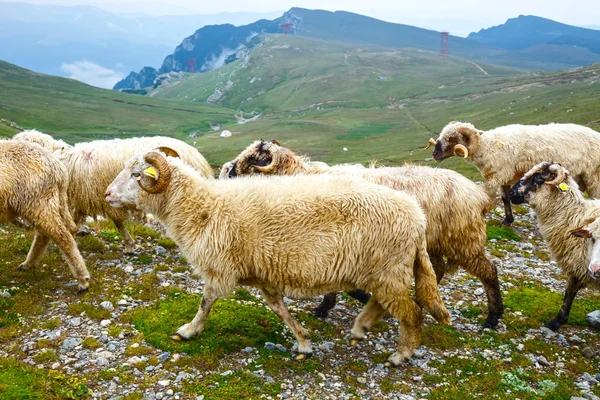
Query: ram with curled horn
[[156, 179], [503, 155]]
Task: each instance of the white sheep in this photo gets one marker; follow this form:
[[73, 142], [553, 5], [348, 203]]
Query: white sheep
[[505, 154], [562, 213], [93, 165], [33, 186], [335, 233], [455, 208]]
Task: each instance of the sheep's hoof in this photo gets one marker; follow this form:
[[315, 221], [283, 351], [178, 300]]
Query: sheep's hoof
[[83, 289], [319, 313], [507, 221], [23, 267], [302, 356], [354, 342], [177, 337], [553, 325]]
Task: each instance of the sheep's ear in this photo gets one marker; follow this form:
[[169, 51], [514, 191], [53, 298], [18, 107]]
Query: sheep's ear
[[168, 151], [581, 233], [275, 141]]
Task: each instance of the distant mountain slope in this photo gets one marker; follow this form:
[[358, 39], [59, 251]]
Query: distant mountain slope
[[288, 72], [217, 43], [527, 30], [79, 112], [53, 39]]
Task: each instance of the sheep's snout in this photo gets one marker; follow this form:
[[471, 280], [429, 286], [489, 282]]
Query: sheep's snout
[[515, 195], [595, 270], [112, 199]]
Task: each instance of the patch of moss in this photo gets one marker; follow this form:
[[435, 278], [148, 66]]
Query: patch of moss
[[50, 324], [442, 337], [90, 243], [146, 288], [144, 258], [167, 243], [501, 232], [89, 309], [230, 327], [46, 356], [239, 385], [91, 343], [542, 255]]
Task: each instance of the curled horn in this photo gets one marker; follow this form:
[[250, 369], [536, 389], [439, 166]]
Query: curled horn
[[430, 143], [168, 151], [275, 141], [560, 176], [267, 169], [158, 161], [459, 148]]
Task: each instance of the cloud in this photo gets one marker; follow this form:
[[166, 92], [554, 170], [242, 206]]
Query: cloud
[[92, 74]]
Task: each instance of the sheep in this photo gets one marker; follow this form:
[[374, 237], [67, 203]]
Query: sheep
[[562, 213], [504, 154], [33, 186], [455, 208], [336, 233], [93, 165]]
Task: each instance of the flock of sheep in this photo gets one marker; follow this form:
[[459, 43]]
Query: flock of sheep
[[315, 229]]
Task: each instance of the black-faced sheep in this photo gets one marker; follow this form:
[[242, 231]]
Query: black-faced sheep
[[93, 165], [298, 236], [504, 154], [455, 208], [562, 213], [33, 186]]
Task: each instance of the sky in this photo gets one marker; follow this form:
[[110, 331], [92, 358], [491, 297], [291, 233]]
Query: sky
[[458, 16]]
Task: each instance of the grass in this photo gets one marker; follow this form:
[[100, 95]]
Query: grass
[[18, 381], [540, 305], [239, 385]]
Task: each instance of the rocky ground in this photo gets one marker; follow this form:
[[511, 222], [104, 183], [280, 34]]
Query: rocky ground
[[113, 341]]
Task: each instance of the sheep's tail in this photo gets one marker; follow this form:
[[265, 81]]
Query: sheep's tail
[[426, 288]]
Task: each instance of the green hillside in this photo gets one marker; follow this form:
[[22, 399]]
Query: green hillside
[[288, 73], [75, 111]]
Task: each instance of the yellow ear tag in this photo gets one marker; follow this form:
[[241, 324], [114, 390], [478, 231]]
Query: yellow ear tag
[[563, 187], [151, 172]]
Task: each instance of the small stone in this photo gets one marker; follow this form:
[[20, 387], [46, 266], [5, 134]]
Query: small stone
[[281, 348], [84, 230], [588, 352], [419, 354], [201, 397], [134, 360], [101, 362], [176, 357], [248, 349], [164, 383], [160, 395], [327, 346], [75, 322], [107, 305], [270, 346], [160, 249], [588, 378], [170, 392], [479, 292], [122, 302], [575, 339], [70, 343], [104, 323], [149, 368], [418, 378], [520, 347], [56, 365], [542, 361], [5, 294], [164, 356], [362, 380], [593, 319], [547, 332]]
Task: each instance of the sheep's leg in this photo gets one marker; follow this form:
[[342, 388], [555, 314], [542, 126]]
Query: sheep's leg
[[196, 326], [328, 302], [573, 286], [68, 248], [410, 318], [426, 288], [37, 250], [127, 238], [508, 215], [487, 273], [275, 303], [330, 299], [368, 317], [439, 266]]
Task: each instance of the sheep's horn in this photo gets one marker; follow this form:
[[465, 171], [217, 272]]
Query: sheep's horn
[[151, 185], [275, 141], [168, 151], [560, 176], [430, 143], [266, 169], [462, 149]]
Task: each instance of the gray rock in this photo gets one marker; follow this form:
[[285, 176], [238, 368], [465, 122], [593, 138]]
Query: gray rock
[[575, 339], [360, 379], [75, 322], [281, 347], [588, 352], [549, 333], [419, 353], [479, 292], [593, 319], [164, 356], [542, 361], [84, 230], [107, 305], [248, 349], [113, 345], [270, 346], [70, 343], [5, 294], [201, 397], [101, 362], [327, 346], [160, 249], [588, 378]]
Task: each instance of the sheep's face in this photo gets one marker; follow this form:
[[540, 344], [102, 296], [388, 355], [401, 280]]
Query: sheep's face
[[455, 139], [591, 232], [544, 176], [258, 158], [43, 139], [124, 189]]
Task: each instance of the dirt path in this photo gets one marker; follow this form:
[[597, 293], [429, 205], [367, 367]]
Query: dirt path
[[479, 67]]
